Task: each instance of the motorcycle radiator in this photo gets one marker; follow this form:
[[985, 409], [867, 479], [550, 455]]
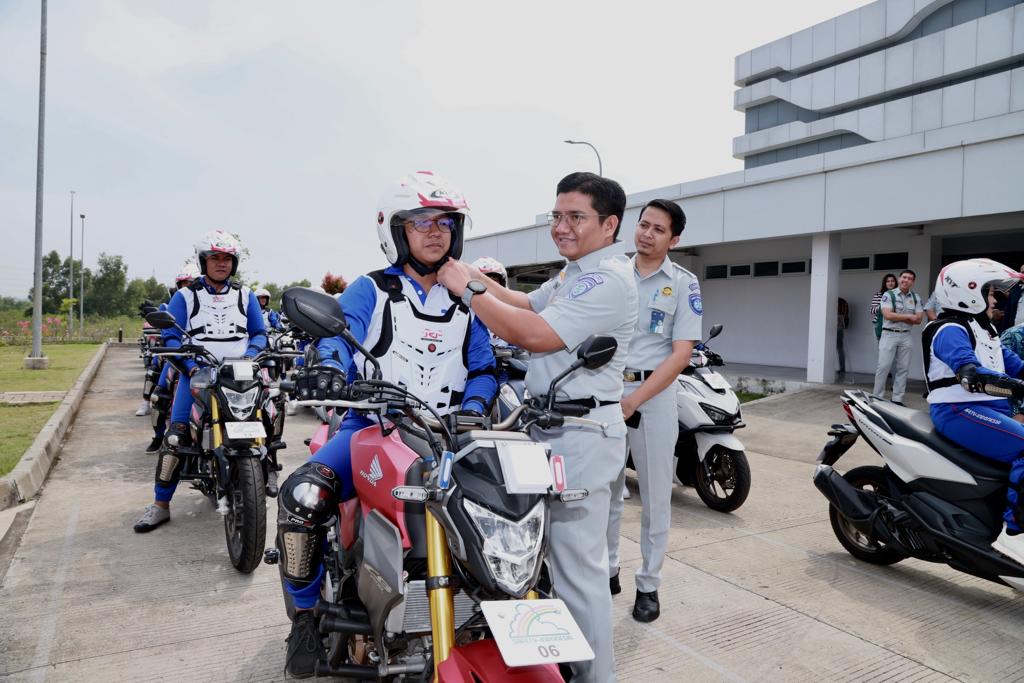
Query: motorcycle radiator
[[413, 614]]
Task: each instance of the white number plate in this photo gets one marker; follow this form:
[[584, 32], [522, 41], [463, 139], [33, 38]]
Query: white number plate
[[535, 632], [714, 380], [524, 466], [245, 430]]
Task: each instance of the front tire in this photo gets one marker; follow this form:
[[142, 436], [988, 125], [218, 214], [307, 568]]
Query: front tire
[[245, 524], [723, 479], [867, 478]]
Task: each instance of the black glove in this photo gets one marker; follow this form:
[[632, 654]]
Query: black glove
[[319, 383]]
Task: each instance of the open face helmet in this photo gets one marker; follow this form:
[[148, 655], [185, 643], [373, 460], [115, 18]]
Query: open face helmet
[[422, 192], [218, 241], [492, 267], [963, 286], [187, 274], [262, 293]]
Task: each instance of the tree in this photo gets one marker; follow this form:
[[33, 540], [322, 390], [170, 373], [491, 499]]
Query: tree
[[9, 303], [108, 296], [139, 290], [333, 284]]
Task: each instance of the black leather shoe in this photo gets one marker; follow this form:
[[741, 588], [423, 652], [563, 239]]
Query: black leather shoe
[[613, 584], [154, 445], [304, 645], [646, 608]]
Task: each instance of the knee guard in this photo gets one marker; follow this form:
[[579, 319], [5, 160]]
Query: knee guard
[[151, 379], [306, 500], [168, 467]]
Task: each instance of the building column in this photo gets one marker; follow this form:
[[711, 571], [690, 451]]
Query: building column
[[821, 321]]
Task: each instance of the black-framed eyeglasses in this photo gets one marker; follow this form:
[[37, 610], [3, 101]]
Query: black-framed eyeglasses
[[424, 224], [573, 219]]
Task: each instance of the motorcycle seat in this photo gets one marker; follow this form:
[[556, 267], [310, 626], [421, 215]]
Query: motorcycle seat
[[918, 426]]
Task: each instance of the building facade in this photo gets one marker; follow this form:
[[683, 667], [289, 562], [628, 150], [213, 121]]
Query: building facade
[[889, 137]]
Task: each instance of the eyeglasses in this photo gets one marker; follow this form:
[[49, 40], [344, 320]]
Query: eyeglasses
[[444, 223], [573, 220]]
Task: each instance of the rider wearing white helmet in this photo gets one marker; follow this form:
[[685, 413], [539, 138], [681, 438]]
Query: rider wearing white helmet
[[399, 313], [222, 316], [493, 269], [271, 319], [969, 375]]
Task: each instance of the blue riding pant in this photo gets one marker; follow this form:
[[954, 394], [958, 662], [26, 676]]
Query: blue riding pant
[[179, 413], [987, 428]]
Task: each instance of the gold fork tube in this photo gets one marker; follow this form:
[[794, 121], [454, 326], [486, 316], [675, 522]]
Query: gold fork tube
[[442, 606], [215, 422]]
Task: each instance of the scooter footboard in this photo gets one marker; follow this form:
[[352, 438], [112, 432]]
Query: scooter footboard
[[481, 661]]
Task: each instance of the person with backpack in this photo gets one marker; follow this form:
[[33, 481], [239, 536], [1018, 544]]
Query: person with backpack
[[900, 309]]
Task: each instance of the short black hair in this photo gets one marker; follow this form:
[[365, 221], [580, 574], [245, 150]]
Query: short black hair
[[674, 211], [908, 270], [606, 195]]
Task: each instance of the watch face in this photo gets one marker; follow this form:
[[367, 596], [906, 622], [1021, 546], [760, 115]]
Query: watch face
[[477, 287]]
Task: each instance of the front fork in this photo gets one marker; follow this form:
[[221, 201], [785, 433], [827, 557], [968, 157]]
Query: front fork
[[442, 605]]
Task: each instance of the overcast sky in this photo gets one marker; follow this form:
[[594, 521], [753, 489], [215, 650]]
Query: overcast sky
[[283, 122]]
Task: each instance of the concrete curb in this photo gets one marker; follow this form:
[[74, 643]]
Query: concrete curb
[[27, 477]]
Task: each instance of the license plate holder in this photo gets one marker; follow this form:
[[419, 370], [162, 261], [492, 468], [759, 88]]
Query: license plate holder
[[530, 632], [245, 430], [524, 467]]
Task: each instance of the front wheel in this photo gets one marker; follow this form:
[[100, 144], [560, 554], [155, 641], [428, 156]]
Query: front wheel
[[245, 524], [722, 480], [857, 543]]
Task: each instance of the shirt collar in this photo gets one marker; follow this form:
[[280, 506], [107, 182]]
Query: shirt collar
[[665, 267], [593, 259]]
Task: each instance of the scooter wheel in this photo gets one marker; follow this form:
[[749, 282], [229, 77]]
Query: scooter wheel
[[722, 480], [858, 544]]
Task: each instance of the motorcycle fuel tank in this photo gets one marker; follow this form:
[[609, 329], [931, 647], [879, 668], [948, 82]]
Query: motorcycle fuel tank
[[379, 464]]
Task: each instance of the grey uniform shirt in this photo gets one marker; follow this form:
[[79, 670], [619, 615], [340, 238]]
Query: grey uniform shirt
[[593, 295], [670, 310], [904, 303]]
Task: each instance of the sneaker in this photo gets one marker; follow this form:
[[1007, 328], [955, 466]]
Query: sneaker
[[153, 517], [304, 645], [272, 483], [626, 495], [290, 408], [143, 409], [1011, 544], [155, 444]]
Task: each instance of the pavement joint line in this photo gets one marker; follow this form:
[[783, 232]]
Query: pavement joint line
[[114, 653], [48, 629], [710, 663]]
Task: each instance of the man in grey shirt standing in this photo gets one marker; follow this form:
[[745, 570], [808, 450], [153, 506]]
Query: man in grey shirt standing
[[901, 309], [594, 293]]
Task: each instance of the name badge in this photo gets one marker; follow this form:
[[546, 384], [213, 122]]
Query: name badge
[[657, 322]]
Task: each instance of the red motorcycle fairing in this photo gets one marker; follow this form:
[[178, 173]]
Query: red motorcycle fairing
[[348, 511], [481, 661], [379, 464], [318, 440]]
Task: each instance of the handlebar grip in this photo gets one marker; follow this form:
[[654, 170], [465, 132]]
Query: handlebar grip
[[287, 387]]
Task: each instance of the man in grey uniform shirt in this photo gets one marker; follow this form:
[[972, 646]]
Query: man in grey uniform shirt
[[900, 309], [595, 293], [667, 328]]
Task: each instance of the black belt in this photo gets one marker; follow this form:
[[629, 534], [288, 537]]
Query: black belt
[[889, 329], [630, 375]]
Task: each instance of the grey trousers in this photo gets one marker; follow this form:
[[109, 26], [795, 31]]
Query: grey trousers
[[578, 550], [893, 355], [653, 448]]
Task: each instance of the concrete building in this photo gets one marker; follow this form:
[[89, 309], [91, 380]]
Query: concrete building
[[888, 137]]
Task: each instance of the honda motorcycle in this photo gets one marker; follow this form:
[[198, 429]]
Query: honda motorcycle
[[437, 567], [931, 499]]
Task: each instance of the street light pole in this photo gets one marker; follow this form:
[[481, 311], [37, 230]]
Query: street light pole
[[36, 360], [71, 272], [81, 285], [600, 168]]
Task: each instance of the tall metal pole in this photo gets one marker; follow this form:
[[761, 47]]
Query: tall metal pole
[[81, 285], [71, 268], [35, 360], [600, 168]]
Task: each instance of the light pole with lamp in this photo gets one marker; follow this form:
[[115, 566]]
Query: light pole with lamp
[[71, 271], [81, 284], [37, 361], [600, 169]]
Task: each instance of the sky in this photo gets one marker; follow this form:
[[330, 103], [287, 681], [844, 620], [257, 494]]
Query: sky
[[284, 122]]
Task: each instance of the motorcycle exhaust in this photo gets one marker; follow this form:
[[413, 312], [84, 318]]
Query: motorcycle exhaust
[[857, 506]]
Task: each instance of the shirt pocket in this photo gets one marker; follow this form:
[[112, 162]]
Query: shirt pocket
[[660, 315]]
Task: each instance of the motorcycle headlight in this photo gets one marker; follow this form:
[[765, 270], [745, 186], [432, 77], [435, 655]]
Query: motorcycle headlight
[[241, 403], [719, 417], [508, 395], [511, 548]]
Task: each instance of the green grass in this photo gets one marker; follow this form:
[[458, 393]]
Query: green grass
[[19, 426], [16, 329], [66, 363], [745, 396]]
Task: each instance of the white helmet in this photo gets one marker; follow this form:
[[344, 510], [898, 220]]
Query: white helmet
[[262, 292], [218, 241], [188, 271], [963, 286], [486, 265], [419, 191]]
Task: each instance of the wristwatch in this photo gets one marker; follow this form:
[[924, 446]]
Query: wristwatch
[[472, 289]]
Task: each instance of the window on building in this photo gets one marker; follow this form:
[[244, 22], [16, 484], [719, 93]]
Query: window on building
[[716, 272], [740, 270], [894, 261], [766, 269], [857, 263], [794, 267]]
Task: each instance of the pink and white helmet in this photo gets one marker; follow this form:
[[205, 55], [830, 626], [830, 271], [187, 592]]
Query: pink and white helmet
[[189, 271], [487, 265], [417, 192], [262, 292], [963, 285], [219, 241]]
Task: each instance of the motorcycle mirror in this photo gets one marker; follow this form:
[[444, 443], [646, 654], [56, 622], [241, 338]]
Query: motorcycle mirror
[[317, 314], [161, 320], [596, 351], [716, 330], [410, 494]]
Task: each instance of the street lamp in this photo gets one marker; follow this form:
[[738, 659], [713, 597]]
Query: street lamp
[[71, 266], [600, 169], [81, 284], [37, 361]]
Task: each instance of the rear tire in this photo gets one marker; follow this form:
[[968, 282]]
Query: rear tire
[[867, 478], [727, 487], [245, 525]]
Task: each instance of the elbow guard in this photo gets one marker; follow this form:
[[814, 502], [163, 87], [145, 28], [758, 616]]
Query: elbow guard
[[993, 385]]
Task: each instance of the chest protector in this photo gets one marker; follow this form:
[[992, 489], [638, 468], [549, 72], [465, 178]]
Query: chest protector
[[426, 354], [266, 319], [940, 379], [219, 321]]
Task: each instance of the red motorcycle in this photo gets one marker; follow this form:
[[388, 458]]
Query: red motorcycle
[[437, 567]]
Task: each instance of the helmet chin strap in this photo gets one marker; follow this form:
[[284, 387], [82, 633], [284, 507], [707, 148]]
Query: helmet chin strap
[[422, 268]]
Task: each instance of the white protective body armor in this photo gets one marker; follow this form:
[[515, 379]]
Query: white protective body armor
[[219, 321], [988, 351], [419, 347], [266, 319]]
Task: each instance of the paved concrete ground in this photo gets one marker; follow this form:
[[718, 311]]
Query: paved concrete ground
[[765, 594]]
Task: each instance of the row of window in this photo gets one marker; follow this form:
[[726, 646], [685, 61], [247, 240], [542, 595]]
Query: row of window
[[894, 261]]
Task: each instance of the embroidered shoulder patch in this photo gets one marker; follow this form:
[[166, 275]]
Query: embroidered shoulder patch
[[585, 283], [696, 305]]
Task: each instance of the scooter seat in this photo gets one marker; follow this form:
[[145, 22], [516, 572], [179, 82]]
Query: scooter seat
[[917, 425]]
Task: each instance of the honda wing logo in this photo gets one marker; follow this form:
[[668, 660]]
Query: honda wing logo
[[375, 474]]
